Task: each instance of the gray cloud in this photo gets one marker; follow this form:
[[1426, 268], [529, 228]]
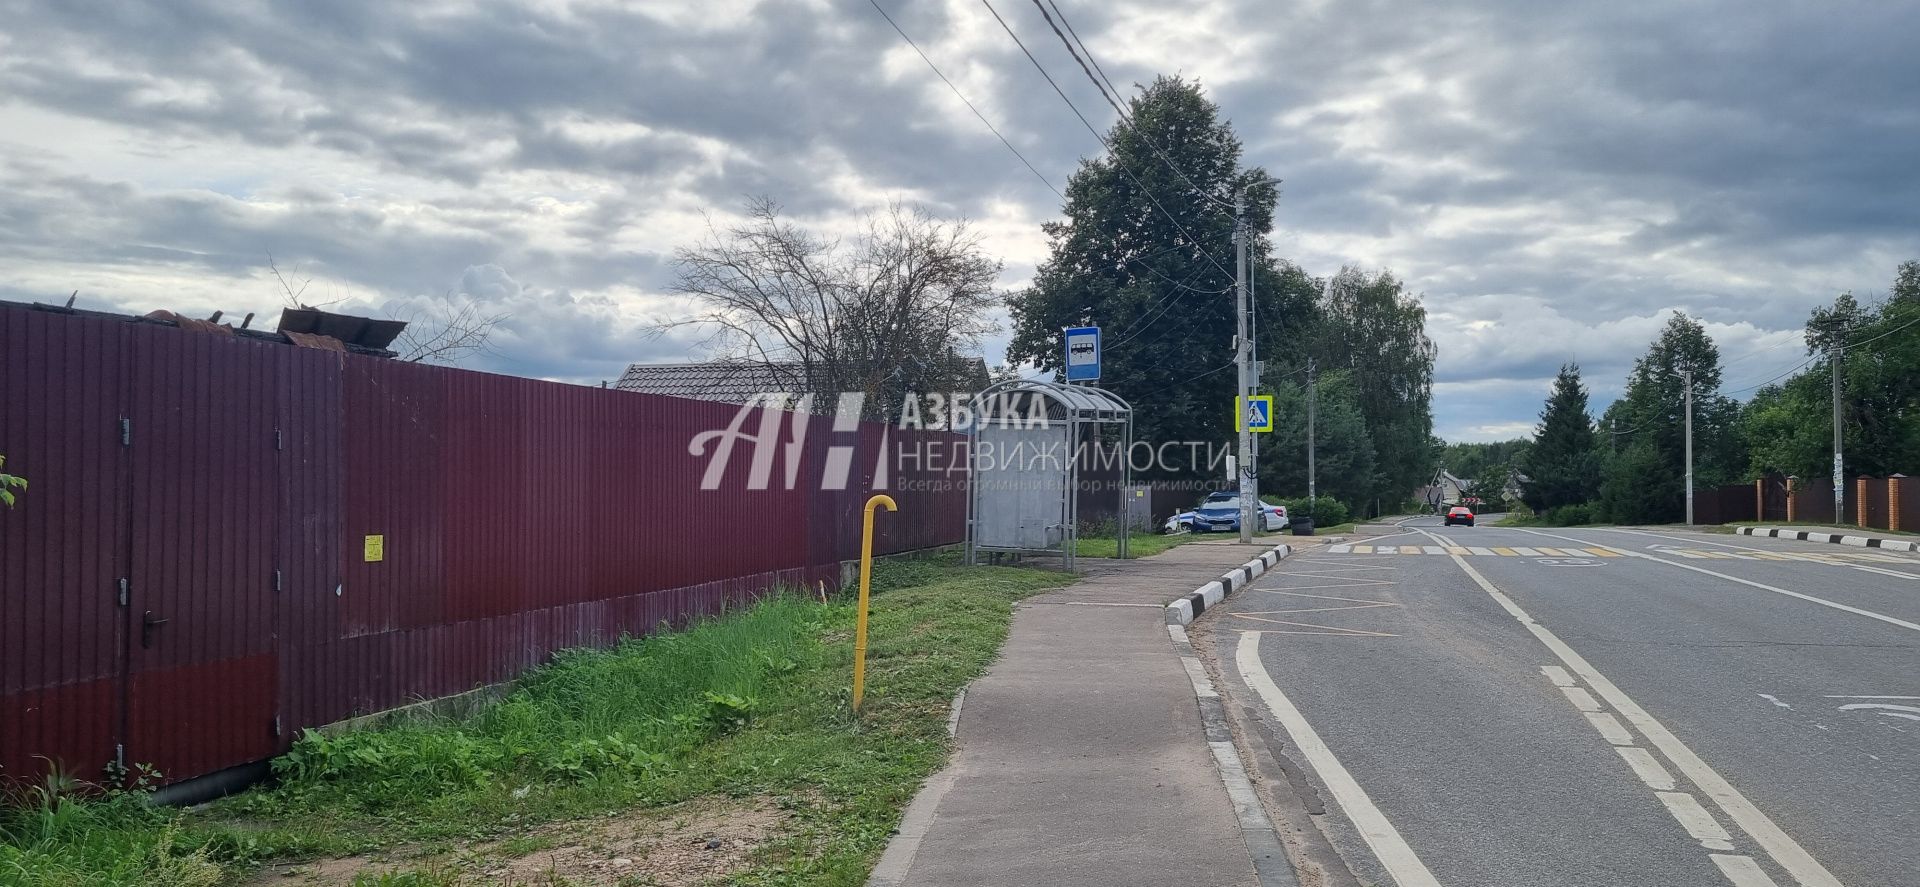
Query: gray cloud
[[1554, 179]]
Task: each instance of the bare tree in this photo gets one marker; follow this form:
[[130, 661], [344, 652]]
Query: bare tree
[[452, 331], [886, 313]]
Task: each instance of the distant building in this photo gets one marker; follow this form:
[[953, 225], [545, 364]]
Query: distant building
[[736, 381], [1444, 489]]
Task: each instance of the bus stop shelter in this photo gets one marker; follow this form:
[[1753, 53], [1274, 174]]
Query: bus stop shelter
[[1027, 442]]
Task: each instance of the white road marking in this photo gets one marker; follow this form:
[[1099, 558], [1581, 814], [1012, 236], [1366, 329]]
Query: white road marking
[[1776, 701], [1340, 549], [1483, 552], [1433, 549], [1758, 826], [1525, 552], [1581, 699], [1646, 767], [1885, 708], [1741, 870], [1609, 727], [1350, 583], [1872, 697], [1395, 855], [1696, 820], [1557, 675], [1760, 585], [1886, 572]]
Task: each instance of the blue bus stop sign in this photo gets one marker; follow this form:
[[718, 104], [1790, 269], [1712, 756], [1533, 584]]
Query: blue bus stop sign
[[1083, 353]]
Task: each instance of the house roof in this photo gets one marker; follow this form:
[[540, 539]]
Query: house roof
[[725, 381], [736, 381]]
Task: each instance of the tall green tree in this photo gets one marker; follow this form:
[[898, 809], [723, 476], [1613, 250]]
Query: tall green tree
[[1561, 467], [1146, 251], [1371, 326], [1788, 428], [1343, 453], [1644, 481], [1491, 461]]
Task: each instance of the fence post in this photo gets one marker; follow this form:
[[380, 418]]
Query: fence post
[[1793, 495], [1893, 501], [1760, 499], [1860, 501]]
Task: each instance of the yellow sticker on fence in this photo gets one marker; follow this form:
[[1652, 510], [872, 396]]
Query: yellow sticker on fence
[[376, 548]]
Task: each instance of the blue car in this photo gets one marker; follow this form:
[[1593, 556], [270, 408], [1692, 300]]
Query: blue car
[[1220, 513]]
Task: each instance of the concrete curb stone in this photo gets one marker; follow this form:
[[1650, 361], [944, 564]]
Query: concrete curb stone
[[1184, 609]]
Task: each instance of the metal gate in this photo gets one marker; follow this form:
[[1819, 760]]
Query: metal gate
[[203, 519]]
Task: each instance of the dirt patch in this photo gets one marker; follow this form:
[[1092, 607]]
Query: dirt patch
[[694, 843]]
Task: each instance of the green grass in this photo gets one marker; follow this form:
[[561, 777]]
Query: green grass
[[755, 704], [1138, 544]]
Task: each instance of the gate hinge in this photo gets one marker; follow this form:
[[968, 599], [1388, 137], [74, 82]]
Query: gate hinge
[[276, 726], [126, 431], [278, 444], [276, 580], [123, 591]]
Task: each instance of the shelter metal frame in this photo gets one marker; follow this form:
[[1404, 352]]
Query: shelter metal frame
[[1079, 407]]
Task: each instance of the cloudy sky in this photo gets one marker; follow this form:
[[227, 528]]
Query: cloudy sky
[[1555, 178]]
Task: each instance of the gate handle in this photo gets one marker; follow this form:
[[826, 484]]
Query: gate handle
[[147, 622]]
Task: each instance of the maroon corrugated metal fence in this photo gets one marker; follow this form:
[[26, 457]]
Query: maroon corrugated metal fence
[[233, 485]]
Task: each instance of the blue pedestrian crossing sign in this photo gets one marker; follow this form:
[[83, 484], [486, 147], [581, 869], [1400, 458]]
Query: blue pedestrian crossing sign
[[1253, 413], [1083, 353]]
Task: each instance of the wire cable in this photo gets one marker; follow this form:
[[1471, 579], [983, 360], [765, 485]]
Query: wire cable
[[1083, 47], [1118, 164], [1112, 100], [964, 101]]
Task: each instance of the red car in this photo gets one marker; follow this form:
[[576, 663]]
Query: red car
[[1459, 514]]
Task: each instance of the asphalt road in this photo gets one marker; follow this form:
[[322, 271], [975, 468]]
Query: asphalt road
[[1514, 708]]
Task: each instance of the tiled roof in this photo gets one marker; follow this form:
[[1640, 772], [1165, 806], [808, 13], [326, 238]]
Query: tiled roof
[[733, 381], [723, 381]]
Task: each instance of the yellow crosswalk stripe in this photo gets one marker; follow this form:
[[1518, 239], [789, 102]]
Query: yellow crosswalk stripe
[[1363, 549], [1551, 552], [1457, 550], [1409, 549], [1506, 552], [1601, 552]]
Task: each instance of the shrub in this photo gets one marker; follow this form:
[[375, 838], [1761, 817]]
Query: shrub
[[1326, 511], [1570, 515]]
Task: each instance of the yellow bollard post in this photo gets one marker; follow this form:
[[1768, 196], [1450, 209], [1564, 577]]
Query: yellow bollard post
[[866, 581]]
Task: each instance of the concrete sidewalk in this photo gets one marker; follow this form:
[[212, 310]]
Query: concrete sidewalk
[[1082, 759]]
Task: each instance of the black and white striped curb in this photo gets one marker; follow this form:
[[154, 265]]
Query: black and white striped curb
[[1189, 606], [1835, 538], [1269, 856]]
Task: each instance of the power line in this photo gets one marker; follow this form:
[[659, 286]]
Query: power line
[[1882, 335], [1796, 368], [1809, 361], [1111, 99], [963, 100], [1083, 47], [1038, 4], [1135, 329], [1118, 164]]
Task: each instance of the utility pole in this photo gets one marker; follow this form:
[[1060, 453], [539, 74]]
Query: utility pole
[[1243, 345], [1839, 475], [1686, 377], [1313, 397]]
